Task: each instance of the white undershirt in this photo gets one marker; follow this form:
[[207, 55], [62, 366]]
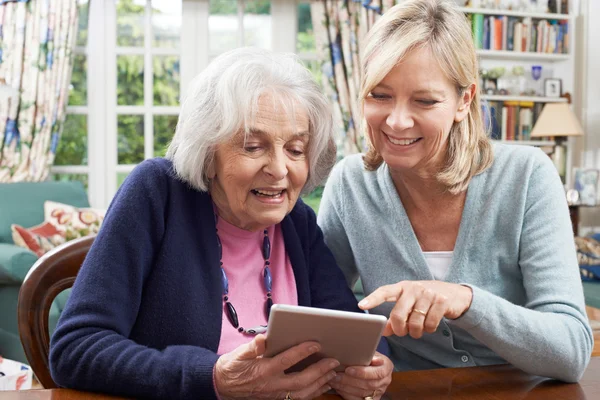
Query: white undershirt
[[438, 263]]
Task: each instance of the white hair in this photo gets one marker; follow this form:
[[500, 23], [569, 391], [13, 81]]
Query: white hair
[[223, 100]]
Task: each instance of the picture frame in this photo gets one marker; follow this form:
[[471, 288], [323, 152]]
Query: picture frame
[[586, 184], [552, 87]]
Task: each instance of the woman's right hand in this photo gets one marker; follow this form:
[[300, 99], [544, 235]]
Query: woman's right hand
[[244, 373]]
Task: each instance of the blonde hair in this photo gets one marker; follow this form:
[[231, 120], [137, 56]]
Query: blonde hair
[[223, 100], [439, 25]]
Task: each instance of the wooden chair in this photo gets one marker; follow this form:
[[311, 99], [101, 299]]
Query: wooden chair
[[54, 272]]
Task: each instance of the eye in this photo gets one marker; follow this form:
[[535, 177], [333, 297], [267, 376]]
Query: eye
[[252, 148], [428, 102], [296, 152], [379, 96]]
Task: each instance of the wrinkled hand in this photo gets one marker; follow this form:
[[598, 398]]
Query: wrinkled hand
[[356, 383], [244, 374], [436, 300]]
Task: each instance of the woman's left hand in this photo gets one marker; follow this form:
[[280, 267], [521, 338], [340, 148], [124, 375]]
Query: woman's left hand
[[358, 383]]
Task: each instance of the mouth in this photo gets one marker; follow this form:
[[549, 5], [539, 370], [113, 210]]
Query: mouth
[[402, 142], [269, 194]]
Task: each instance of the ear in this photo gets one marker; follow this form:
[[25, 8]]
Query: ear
[[464, 103], [210, 170]]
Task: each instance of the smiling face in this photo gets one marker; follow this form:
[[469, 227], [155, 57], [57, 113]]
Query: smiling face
[[257, 178], [410, 113]]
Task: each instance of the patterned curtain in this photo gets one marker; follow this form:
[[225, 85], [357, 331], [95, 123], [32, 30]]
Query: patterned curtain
[[36, 42], [340, 27]]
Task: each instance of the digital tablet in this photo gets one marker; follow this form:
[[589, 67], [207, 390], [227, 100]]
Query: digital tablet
[[349, 337]]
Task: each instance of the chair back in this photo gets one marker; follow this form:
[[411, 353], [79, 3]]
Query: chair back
[[54, 272]]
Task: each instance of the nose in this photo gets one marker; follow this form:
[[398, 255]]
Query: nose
[[276, 166], [400, 118]]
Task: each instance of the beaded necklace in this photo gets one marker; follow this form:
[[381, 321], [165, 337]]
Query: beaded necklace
[[267, 281]]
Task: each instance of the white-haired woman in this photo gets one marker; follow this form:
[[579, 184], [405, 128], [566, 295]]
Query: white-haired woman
[[466, 245], [197, 246]]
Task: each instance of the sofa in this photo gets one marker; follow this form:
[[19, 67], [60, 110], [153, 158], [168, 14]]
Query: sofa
[[23, 204]]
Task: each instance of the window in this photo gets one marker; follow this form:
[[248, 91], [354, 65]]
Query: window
[[131, 60], [148, 80]]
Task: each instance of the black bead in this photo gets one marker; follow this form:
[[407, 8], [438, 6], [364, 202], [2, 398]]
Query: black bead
[[240, 329], [267, 262], [268, 294], [232, 315], [268, 306], [266, 248], [226, 298]]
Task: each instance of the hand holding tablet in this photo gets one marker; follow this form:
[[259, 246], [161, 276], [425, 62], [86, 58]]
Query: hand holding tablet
[[349, 337]]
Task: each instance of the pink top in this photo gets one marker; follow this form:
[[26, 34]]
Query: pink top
[[244, 264]]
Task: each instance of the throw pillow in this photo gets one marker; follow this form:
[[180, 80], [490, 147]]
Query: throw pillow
[[39, 239], [73, 222]]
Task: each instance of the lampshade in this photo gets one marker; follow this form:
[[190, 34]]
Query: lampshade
[[557, 119]]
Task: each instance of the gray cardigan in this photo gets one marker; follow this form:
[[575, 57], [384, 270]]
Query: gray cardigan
[[515, 250]]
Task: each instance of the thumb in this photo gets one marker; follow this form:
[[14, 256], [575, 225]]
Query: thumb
[[254, 349], [377, 361]]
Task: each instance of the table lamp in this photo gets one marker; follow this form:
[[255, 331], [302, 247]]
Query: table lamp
[[557, 120]]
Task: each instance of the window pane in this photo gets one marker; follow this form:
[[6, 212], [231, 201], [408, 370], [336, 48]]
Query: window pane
[[130, 139], [166, 23], [78, 87], [223, 26], [305, 41], [164, 128], [82, 32], [166, 80], [121, 177], [72, 145], [130, 22], [130, 80], [83, 178], [257, 23]]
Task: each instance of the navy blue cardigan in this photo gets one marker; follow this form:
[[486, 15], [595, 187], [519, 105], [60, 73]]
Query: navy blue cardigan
[[144, 315]]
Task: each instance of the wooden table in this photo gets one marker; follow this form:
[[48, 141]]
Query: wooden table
[[500, 382]]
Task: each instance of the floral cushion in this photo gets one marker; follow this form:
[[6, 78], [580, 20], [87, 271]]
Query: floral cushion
[[62, 223], [39, 239], [73, 222]]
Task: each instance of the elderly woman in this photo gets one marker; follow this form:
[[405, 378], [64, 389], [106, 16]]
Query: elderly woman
[[195, 248], [466, 245]]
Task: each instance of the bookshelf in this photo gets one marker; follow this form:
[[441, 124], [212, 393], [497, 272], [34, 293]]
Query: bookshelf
[[510, 13], [531, 99], [521, 55], [506, 39]]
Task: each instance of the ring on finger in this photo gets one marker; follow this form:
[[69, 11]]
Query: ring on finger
[[424, 313], [288, 396], [371, 397]]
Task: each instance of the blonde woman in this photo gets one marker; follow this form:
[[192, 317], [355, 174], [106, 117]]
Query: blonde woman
[[466, 245]]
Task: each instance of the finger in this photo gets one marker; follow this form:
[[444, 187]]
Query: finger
[[292, 356], [377, 360], [253, 349], [308, 394], [345, 381], [436, 313], [370, 372], [398, 318], [351, 393], [416, 319], [381, 295], [311, 378]]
